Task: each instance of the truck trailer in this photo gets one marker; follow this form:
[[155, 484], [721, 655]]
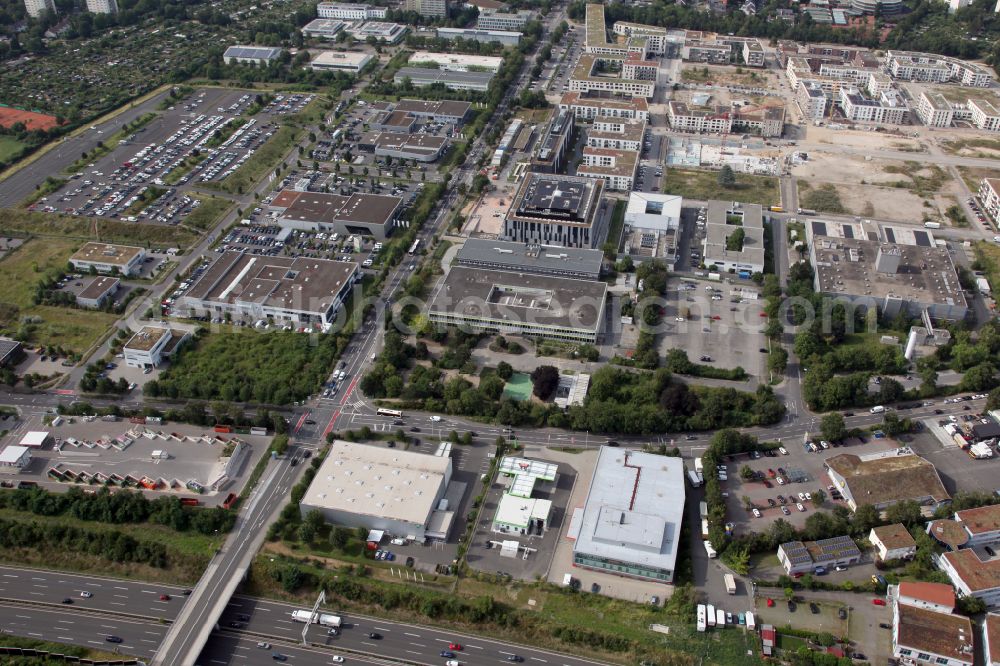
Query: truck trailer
[[730, 583]]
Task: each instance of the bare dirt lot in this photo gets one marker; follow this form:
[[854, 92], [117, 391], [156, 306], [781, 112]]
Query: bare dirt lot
[[862, 185]]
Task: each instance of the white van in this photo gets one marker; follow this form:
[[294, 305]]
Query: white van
[[435, 418], [877, 409]]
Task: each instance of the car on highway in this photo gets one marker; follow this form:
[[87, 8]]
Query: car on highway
[[452, 662], [447, 654], [454, 646], [277, 656], [164, 597], [374, 636], [515, 658], [86, 595], [310, 422], [113, 639], [67, 600], [264, 646], [236, 625], [337, 659]]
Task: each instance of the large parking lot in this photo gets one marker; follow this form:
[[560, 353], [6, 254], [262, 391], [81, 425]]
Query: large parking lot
[[145, 177], [190, 460], [716, 323]]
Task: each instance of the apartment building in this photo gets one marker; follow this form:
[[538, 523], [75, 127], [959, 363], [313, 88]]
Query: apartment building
[[811, 100], [985, 114], [588, 108], [888, 109], [933, 68], [616, 167], [934, 110], [427, 8], [550, 154], [616, 133], [989, 196], [585, 77]]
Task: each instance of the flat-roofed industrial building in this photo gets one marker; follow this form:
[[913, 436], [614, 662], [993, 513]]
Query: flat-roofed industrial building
[[398, 491], [631, 522]]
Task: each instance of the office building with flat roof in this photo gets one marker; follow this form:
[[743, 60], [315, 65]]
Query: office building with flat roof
[[323, 28], [631, 522], [365, 214], [510, 303], [397, 491], [152, 345], [593, 73], [652, 226], [556, 210], [424, 76], [552, 260], [108, 258], [505, 37], [447, 111], [350, 62], [403, 146], [11, 353], [457, 62], [494, 20], [734, 237], [519, 512], [390, 33], [298, 292], [886, 274]]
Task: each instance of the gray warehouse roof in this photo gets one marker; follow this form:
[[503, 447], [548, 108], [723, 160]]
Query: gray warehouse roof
[[923, 275], [634, 509], [508, 298], [530, 258], [255, 52], [441, 76]]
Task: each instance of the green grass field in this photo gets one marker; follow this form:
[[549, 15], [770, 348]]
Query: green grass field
[[20, 272], [9, 147], [18, 222], [518, 387], [704, 185], [207, 214]]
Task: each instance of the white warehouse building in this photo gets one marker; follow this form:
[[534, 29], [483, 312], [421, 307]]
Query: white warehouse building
[[400, 492]]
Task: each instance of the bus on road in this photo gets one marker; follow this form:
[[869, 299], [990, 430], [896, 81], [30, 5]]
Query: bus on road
[[395, 413]]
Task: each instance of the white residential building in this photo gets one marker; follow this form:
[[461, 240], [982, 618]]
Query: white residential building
[[989, 196], [349, 11], [151, 345], [985, 114], [616, 167], [102, 6], [108, 258], [934, 110], [36, 7], [589, 108]]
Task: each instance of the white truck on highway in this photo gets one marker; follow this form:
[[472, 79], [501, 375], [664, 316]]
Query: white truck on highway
[[323, 619]]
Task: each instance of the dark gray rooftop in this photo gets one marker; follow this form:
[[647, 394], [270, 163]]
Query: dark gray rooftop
[[530, 257]]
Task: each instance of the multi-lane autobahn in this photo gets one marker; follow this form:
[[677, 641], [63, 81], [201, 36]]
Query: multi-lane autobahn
[[31, 604]]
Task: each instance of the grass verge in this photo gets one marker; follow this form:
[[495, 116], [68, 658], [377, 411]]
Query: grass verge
[[10, 641], [266, 158], [988, 260], [188, 553], [208, 213], [15, 222], [10, 148], [617, 225], [20, 271], [704, 185]]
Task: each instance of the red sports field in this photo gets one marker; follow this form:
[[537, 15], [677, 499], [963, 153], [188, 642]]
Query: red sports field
[[31, 120]]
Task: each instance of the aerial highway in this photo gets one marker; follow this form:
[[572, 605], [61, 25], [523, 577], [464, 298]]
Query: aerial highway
[[31, 604]]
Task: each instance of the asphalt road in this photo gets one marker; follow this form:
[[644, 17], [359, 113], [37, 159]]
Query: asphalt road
[[140, 638], [226, 571], [40, 614], [108, 594]]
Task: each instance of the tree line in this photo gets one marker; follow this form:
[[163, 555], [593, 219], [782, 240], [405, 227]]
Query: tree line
[[122, 507]]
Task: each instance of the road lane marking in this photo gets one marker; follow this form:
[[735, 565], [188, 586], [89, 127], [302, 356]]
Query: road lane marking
[[367, 643], [418, 645], [39, 594], [538, 659], [406, 633], [31, 633], [412, 652], [10, 576], [474, 647], [107, 626], [117, 603], [119, 587]]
